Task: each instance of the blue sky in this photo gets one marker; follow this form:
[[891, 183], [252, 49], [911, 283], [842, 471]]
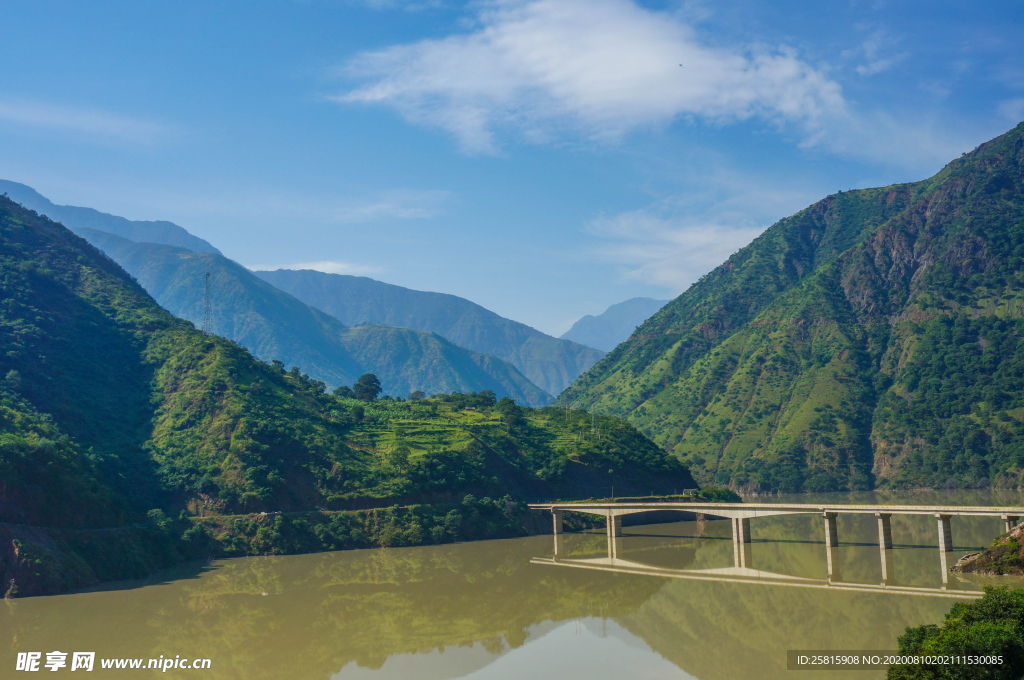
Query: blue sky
[[543, 158]]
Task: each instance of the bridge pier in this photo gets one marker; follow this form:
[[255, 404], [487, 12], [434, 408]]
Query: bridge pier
[[945, 534], [1009, 522], [831, 531], [833, 567], [741, 530], [884, 530], [615, 526], [556, 517], [888, 567]]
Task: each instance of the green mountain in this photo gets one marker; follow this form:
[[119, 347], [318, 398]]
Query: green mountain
[[550, 363], [116, 415], [871, 339], [274, 325], [76, 219], [613, 325]]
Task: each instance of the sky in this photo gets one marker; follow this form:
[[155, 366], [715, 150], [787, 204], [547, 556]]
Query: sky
[[543, 158]]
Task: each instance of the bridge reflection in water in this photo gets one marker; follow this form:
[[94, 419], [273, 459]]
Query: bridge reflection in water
[[744, 569]]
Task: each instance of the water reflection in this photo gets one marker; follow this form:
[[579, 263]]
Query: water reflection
[[511, 609], [580, 553]]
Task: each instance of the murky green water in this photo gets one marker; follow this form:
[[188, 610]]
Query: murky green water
[[671, 604]]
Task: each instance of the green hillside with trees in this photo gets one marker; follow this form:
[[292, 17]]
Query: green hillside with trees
[[871, 339], [121, 423], [273, 324]]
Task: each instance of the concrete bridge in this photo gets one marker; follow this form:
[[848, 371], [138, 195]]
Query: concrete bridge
[[742, 513]]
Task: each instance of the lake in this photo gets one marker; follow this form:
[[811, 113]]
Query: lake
[[671, 604]]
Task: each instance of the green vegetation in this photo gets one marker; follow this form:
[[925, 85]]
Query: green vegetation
[[872, 339], [1006, 556], [550, 363], [991, 626], [116, 417]]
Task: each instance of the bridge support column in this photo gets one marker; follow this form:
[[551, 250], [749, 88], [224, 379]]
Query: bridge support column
[[833, 568], [888, 568], [945, 534], [615, 526], [831, 532], [884, 530], [556, 517], [1009, 522], [741, 530]]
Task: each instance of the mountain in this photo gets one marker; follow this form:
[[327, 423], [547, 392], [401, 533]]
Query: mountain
[[614, 325], [76, 219], [274, 325], [871, 339], [550, 363], [116, 416]]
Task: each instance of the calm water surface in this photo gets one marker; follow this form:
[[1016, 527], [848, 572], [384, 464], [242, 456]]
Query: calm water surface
[[675, 602]]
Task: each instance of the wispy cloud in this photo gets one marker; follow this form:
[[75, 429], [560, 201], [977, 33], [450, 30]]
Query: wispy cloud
[[326, 266], [878, 52], [680, 237], [598, 67], [399, 204], [92, 123], [671, 253]]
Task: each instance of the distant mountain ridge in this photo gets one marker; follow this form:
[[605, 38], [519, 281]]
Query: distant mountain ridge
[[873, 338], [274, 325], [606, 330], [75, 219], [550, 363]]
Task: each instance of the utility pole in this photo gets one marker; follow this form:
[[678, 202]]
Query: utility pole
[[207, 309]]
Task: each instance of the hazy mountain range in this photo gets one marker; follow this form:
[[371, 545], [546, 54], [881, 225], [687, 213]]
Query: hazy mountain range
[[614, 325], [274, 325], [549, 362], [872, 338], [171, 264], [74, 217]]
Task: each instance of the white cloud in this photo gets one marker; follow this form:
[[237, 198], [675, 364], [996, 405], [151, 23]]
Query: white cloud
[[599, 67], [93, 123], [878, 53], [683, 235], [401, 204], [325, 266], [667, 252]]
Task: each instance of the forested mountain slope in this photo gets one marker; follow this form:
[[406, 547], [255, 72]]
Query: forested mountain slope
[[76, 218], [114, 413], [613, 325], [551, 363], [274, 325], [872, 338]]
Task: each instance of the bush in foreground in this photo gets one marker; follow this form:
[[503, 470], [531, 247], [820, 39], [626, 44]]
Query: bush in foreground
[[991, 626]]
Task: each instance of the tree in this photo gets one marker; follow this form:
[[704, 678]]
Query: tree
[[367, 387], [417, 395], [344, 392], [510, 412], [991, 626]]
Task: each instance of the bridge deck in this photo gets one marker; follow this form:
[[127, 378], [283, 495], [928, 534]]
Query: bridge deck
[[749, 510]]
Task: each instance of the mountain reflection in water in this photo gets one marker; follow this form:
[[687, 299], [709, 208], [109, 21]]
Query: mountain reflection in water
[[483, 610]]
